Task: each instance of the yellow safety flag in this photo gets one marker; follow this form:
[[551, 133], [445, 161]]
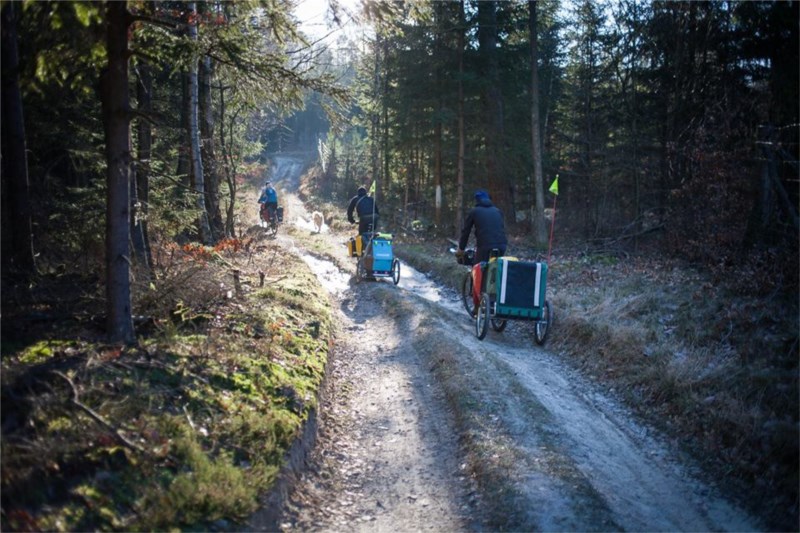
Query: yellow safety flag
[[372, 187], [554, 187]]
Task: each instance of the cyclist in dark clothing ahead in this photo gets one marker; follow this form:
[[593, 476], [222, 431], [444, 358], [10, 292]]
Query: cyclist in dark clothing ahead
[[490, 231], [364, 206]]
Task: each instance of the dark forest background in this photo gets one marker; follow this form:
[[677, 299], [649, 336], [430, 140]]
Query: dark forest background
[[669, 124], [134, 133]]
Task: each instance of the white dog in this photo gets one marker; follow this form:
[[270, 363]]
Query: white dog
[[318, 219]]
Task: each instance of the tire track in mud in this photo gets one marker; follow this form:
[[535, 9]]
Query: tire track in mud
[[581, 461]]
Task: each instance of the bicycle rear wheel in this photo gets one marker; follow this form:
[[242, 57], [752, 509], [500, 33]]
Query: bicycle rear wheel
[[466, 295], [482, 318]]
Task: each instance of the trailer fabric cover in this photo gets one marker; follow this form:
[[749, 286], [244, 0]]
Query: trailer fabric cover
[[521, 284]]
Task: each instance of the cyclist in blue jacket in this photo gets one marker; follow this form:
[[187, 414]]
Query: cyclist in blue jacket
[[268, 200]]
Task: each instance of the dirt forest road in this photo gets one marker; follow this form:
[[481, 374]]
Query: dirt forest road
[[423, 427]]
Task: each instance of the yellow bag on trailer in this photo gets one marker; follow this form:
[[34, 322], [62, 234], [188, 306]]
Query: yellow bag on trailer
[[355, 246]]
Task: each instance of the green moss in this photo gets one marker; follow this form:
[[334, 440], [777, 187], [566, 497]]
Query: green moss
[[62, 423], [214, 398], [42, 351], [206, 489]]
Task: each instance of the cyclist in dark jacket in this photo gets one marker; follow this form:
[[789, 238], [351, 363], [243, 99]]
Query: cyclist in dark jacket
[[364, 206], [490, 231]]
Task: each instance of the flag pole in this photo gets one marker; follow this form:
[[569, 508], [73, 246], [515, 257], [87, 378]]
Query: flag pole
[[553, 189], [374, 191]]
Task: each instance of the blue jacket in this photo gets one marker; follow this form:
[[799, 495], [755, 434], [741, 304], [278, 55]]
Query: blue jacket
[[268, 196]]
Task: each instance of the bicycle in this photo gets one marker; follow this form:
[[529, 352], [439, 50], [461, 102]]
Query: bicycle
[[467, 290], [272, 218], [511, 290]]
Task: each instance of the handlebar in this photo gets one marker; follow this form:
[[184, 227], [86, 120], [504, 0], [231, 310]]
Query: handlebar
[[467, 259]]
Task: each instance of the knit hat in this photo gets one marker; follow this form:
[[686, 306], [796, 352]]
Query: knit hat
[[480, 194], [362, 191]]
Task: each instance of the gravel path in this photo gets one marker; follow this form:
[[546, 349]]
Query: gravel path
[[513, 439], [385, 457]]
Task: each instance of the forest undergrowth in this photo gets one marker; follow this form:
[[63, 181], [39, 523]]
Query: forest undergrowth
[[185, 430], [709, 357]]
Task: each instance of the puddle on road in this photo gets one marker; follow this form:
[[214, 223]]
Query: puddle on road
[[332, 279], [415, 281], [336, 282], [308, 224]]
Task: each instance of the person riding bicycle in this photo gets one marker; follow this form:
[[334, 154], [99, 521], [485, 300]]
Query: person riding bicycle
[[364, 206], [269, 200], [490, 234], [490, 231]]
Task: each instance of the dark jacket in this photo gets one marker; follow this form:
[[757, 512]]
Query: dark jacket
[[362, 205], [490, 231]]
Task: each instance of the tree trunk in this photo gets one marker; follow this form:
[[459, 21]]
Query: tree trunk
[[407, 188], [184, 169], [229, 164], [493, 106], [140, 186], [538, 223], [461, 132], [208, 152], [17, 208], [437, 156], [115, 100], [385, 100], [195, 155], [375, 118]]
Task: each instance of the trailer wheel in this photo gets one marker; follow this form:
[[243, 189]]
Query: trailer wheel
[[542, 327], [396, 271]]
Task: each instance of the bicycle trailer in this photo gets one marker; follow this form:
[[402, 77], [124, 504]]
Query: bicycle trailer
[[517, 288], [513, 290], [375, 256]]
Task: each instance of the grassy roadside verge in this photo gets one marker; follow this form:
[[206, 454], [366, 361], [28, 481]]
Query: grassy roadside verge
[[185, 430], [708, 361]]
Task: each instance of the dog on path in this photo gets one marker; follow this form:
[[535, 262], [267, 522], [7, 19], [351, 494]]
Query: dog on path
[[318, 219]]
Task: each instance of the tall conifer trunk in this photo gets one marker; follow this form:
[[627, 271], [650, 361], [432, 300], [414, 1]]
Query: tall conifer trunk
[[140, 185], [538, 225], [16, 191], [461, 133], [492, 97], [208, 151], [195, 153], [116, 104]]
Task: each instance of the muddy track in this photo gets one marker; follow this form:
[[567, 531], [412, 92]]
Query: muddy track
[[423, 427]]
